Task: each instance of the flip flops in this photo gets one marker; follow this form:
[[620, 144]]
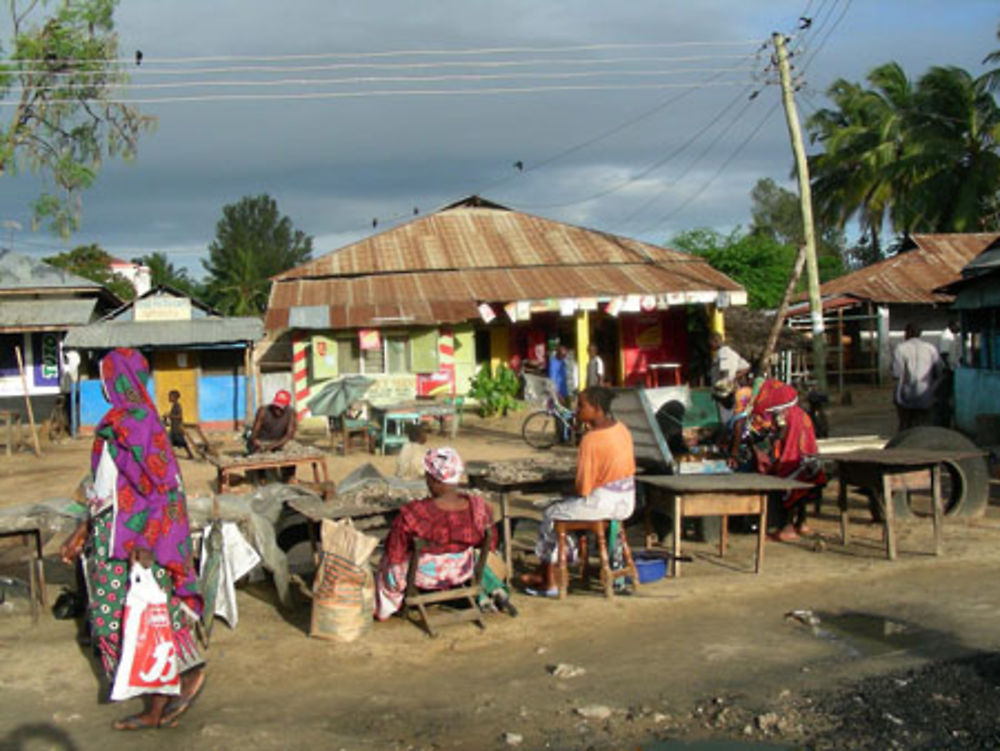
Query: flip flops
[[181, 704], [136, 722], [538, 592]]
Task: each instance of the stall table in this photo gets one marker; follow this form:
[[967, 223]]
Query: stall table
[[226, 466], [739, 493], [391, 418], [30, 536], [881, 469], [514, 477]]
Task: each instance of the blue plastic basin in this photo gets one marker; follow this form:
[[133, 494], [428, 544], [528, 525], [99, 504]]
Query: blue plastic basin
[[650, 569]]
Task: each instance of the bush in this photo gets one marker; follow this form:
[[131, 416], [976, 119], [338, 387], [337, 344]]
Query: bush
[[495, 393]]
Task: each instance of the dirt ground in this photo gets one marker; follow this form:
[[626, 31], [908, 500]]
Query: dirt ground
[[885, 655]]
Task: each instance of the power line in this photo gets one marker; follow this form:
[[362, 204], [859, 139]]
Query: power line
[[704, 186], [130, 61], [399, 92], [392, 79]]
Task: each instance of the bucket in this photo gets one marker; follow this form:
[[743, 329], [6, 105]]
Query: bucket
[[650, 569]]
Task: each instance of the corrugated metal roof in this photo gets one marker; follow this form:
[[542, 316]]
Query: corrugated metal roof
[[474, 234], [197, 331], [26, 314], [911, 276], [453, 296], [20, 272], [438, 268]]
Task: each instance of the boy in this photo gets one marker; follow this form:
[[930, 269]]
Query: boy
[[175, 421]]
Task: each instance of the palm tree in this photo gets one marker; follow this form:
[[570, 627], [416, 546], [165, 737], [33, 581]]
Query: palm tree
[[991, 79], [853, 177], [923, 157]]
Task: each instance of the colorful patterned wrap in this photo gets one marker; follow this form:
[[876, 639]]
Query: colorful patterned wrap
[[444, 465], [151, 512]]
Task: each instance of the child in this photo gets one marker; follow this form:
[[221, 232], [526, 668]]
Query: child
[[175, 422], [410, 462]]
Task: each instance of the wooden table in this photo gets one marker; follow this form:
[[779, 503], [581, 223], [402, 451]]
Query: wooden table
[[12, 420], [557, 483], [31, 538], [226, 466], [877, 468], [739, 493], [655, 370]]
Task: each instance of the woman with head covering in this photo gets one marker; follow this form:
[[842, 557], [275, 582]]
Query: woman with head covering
[[453, 523], [138, 514], [789, 451]]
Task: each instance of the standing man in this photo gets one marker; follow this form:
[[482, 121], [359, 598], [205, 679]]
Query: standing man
[[727, 363], [918, 370], [559, 373], [595, 367], [950, 350]]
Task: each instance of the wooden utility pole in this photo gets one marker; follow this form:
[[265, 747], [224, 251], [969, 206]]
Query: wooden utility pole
[[779, 316], [27, 402], [805, 198]]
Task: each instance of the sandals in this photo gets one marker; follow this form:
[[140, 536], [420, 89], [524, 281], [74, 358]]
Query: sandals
[[181, 704], [539, 592], [137, 722]]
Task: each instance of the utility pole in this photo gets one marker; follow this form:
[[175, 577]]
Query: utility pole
[[805, 198]]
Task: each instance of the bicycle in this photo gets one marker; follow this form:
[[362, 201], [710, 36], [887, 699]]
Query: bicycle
[[556, 423]]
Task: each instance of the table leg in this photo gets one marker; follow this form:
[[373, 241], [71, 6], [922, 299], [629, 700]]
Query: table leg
[[936, 500], [677, 535], [454, 424], [723, 536], [10, 434], [315, 469], [32, 579], [889, 515], [845, 521], [761, 534], [508, 557], [40, 575]]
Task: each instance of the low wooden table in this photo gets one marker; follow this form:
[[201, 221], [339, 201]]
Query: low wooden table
[[31, 538], [227, 465], [725, 495], [876, 468]]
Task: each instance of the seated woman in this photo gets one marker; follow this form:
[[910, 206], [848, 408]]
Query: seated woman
[[789, 449], [452, 522], [605, 485]]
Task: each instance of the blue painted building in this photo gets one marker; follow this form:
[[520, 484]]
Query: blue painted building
[[190, 348]]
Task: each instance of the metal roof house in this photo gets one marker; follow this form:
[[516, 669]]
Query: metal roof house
[[190, 348], [866, 311], [39, 303], [422, 305], [977, 380]]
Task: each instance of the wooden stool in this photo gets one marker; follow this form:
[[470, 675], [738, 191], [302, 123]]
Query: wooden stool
[[596, 527], [31, 538]]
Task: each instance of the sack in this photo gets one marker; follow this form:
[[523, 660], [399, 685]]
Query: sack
[[344, 590], [148, 662]]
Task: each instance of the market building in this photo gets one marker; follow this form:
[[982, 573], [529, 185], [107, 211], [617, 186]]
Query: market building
[[190, 348], [422, 306]]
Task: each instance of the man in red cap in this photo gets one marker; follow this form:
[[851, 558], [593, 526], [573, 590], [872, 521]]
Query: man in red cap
[[274, 425]]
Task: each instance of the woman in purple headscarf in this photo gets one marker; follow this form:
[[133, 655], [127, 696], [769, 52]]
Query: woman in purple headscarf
[[138, 513]]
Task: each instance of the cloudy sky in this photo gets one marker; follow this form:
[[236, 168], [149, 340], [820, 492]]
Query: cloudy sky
[[630, 117]]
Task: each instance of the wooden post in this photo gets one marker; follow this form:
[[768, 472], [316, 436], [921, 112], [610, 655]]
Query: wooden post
[[248, 381], [27, 402], [805, 198], [779, 316]]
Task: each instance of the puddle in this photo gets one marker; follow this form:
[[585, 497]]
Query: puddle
[[862, 634], [723, 745]]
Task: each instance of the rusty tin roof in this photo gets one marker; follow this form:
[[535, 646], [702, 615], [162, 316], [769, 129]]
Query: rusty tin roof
[[438, 268], [925, 263]]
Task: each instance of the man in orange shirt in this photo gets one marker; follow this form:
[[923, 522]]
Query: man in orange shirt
[[605, 484]]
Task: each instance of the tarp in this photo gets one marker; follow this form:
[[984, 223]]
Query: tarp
[[336, 396]]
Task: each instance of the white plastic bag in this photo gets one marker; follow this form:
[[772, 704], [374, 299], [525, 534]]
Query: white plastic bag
[[148, 661], [238, 559]]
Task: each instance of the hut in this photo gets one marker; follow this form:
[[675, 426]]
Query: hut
[[420, 307]]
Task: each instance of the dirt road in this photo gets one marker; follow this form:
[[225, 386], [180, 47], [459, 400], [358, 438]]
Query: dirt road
[[710, 655]]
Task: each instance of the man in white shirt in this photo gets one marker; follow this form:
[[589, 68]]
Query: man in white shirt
[[950, 345], [727, 363], [917, 368]]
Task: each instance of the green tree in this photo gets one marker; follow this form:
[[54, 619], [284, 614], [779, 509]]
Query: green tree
[[776, 213], [991, 79], [63, 71], [921, 157], [253, 242], [163, 271], [757, 261], [94, 263]]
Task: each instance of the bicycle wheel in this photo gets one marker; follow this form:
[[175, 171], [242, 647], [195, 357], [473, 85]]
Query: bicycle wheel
[[539, 430]]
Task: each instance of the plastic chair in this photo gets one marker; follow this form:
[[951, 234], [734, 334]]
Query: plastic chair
[[417, 600]]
